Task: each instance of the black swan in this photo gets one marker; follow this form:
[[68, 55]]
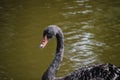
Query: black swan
[[93, 72]]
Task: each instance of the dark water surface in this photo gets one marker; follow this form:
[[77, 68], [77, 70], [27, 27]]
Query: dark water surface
[[91, 29]]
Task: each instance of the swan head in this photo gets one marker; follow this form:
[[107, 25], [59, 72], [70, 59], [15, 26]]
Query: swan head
[[48, 33]]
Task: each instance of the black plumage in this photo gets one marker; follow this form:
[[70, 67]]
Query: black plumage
[[92, 72]]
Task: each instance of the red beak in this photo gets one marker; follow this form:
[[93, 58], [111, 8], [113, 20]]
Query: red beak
[[44, 42]]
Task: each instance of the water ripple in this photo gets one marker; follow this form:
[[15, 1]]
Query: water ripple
[[81, 47], [4, 75]]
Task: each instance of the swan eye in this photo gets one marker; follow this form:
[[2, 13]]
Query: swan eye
[[49, 35]]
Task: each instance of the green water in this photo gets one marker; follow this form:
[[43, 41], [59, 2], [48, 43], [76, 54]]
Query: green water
[[91, 29]]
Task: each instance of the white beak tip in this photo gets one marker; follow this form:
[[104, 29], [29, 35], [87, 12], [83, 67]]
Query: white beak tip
[[41, 46]]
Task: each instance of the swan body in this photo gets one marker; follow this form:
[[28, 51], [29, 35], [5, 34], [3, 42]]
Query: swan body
[[92, 72]]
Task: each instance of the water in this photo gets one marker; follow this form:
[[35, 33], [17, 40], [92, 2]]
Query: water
[[91, 29]]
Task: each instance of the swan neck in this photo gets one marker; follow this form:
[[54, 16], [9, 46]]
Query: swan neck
[[60, 43], [54, 66]]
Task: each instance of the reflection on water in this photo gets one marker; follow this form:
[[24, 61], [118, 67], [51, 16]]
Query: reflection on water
[[91, 30]]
